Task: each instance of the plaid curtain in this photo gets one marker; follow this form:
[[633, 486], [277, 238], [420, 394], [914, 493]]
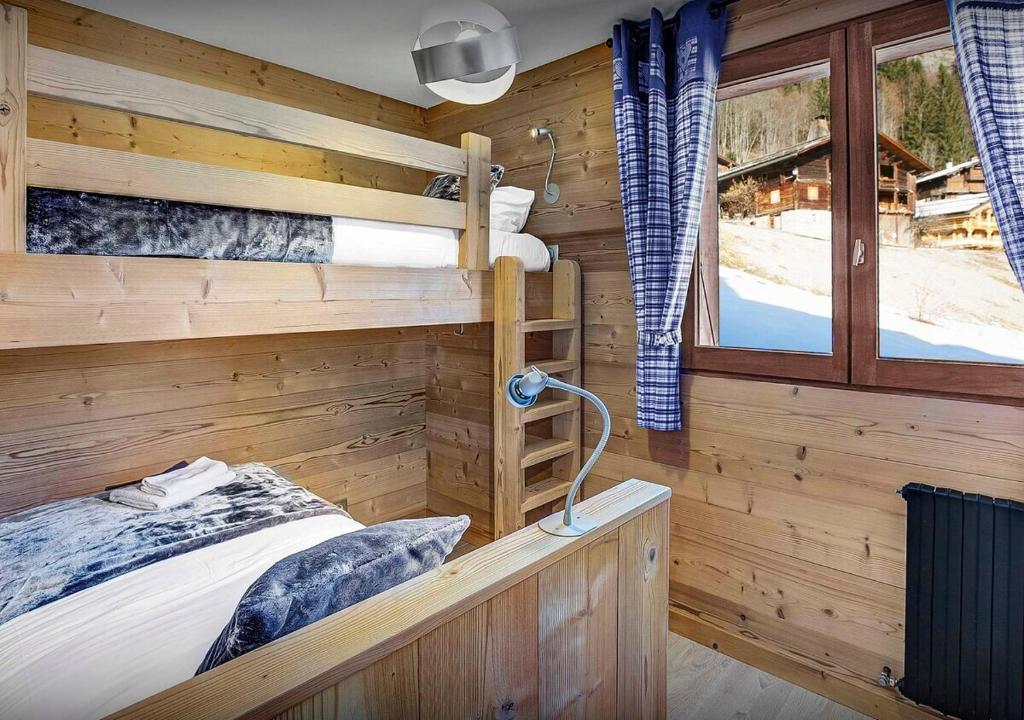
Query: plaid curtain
[[989, 41], [665, 75]]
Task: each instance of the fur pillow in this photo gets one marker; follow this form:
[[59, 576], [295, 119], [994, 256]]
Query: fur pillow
[[447, 187], [312, 584]]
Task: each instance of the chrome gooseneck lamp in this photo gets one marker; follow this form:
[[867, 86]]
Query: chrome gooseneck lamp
[[522, 390], [551, 191]]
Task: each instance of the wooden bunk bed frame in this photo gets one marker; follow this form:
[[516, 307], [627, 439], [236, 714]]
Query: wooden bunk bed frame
[[57, 300], [531, 625]]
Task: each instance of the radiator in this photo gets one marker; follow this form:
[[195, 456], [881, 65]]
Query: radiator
[[965, 603]]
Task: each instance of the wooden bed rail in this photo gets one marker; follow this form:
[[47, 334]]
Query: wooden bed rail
[[49, 73], [531, 625]]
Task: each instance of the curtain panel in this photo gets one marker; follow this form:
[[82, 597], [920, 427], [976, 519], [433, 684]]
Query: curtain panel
[[665, 79], [989, 39]]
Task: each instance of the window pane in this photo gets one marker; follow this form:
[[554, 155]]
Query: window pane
[[775, 219], [946, 291]]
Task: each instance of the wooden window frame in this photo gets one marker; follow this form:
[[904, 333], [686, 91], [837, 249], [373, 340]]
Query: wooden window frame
[[851, 49], [745, 69], [897, 34]]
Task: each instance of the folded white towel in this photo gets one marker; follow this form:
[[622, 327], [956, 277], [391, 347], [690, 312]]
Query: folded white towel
[[157, 492], [135, 496], [195, 479]]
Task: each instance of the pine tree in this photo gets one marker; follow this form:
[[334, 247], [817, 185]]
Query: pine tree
[[821, 98], [948, 119]]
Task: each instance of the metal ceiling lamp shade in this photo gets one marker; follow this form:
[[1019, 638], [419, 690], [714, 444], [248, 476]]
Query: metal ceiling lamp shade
[[466, 52]]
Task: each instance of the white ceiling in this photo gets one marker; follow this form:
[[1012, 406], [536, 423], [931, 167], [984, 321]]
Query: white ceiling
[[366, 43]]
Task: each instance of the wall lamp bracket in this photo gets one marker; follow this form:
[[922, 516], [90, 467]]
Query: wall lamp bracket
[[551, 190]]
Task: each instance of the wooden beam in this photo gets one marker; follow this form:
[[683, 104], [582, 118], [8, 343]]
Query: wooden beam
[[273, 678], [753, 23], [509, 358], [59, 75], [476, 194], [52, 300], [87, 169], [13, 127], [566, 285]]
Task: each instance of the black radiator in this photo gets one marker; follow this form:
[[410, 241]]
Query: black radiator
[[965, 603]]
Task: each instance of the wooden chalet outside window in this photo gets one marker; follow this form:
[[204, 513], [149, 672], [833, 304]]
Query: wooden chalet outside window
[[852, 241]]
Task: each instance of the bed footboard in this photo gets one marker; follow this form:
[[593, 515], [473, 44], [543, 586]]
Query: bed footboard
[[529, 626]]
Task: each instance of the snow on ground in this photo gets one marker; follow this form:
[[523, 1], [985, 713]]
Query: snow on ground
[[937, 304], [765, 315]]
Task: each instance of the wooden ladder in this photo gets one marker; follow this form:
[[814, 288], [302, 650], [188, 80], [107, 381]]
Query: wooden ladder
[[515, 452]]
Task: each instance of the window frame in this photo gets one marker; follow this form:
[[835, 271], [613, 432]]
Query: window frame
[[851, 51], [899, 33], [782, 58]]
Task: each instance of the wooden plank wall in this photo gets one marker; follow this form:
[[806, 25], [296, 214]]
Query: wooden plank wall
[[341, 412], [787, 533]]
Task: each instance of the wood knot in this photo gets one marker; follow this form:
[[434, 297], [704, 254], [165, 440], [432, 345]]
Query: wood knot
[[652, 555], [5, 108]]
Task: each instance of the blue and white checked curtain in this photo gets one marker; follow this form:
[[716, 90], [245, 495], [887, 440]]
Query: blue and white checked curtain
[[666, 75], [989, 40]]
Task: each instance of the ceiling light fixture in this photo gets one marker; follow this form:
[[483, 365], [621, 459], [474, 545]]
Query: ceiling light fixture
[[466, 52]]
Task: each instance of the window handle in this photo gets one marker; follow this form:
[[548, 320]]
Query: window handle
[[858, 252]]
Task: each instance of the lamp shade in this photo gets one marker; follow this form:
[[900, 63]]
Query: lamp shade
[[466, 51]]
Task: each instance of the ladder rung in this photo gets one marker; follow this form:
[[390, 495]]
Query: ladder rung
[[545, 491], [554, 366], [549, 408], [547, 325], [541, 450]]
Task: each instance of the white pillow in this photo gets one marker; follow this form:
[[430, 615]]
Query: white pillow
[[510, 207]]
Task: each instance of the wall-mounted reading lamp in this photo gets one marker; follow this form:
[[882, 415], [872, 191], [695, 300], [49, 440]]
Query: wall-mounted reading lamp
[[522, 391], [551, 190]]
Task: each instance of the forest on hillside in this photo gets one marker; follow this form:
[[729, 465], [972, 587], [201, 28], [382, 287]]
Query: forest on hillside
[[919, 99]]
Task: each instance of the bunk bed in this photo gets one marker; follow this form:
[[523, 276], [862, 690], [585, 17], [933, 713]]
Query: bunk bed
[[531, 624]]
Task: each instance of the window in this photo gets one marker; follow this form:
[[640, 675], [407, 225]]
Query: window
[[767, 294], [854, 246], [945, 288]]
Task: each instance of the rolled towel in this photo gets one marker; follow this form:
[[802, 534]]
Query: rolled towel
[[134, 496], [195, 479]]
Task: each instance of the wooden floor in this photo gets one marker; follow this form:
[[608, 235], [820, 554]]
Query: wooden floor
[[706, 685]]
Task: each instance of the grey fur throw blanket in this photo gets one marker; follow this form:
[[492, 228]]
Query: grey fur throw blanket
[[326, 578], [58, 549], [75, 223]]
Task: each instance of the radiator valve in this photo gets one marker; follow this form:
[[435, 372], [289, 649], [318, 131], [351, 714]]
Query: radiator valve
[[885, 678]]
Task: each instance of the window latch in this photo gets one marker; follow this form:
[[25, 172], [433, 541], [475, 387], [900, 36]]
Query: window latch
[[858, 252]]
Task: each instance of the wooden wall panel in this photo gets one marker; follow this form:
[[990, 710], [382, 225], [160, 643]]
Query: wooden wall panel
[[787, 532], [69, 28], [342, 413]]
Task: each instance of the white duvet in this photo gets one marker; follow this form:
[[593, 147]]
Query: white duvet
[[102, 649], [385, 244]]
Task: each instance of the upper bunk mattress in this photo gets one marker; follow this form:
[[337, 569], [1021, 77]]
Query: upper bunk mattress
[[75, 223]]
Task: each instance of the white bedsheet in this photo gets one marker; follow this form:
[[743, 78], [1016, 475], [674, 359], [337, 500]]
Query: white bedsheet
[[384, 244], [102, 649]]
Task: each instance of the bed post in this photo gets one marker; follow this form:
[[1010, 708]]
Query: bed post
[[509, 358], [13, 126], [476, 193]]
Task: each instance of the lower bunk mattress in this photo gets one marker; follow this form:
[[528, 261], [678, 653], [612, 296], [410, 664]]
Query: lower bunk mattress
[[103, 605], [74, 223]]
